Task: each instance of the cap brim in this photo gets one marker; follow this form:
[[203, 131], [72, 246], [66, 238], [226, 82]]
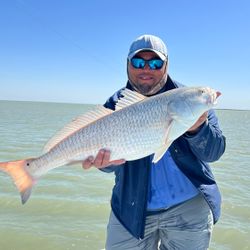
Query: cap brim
[[162, 56]]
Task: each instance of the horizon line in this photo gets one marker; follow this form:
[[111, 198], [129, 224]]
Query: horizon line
[[78, 103]]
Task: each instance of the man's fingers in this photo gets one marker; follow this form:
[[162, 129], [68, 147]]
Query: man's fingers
[[101, 160], [199, 122], [98, 162], [203, 117], [106, 158], [88, 162]]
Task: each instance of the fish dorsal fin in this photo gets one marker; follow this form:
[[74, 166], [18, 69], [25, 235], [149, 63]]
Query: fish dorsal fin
[[76, 124], [129, 97]]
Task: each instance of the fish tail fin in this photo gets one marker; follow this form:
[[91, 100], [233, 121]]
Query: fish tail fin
[[21, 177]]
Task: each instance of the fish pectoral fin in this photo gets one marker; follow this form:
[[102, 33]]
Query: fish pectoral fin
[[167, 141], [160, 152]]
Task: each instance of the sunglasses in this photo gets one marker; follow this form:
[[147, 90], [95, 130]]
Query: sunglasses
[[139, 63]]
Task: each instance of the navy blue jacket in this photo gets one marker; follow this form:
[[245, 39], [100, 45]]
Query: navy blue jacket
[[190, 153]]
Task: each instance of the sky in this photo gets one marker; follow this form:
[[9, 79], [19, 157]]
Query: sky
[[75, 51]]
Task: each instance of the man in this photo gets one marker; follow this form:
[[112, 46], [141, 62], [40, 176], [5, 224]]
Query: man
[[174, 203]]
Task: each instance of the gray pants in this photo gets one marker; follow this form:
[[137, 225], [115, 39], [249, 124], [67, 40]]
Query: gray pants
[[187, 226]]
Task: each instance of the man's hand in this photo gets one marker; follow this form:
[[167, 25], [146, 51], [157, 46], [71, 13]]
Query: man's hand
[[102, 160], [199, 122]]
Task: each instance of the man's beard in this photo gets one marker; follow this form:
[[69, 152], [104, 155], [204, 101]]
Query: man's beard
[[149, 90], [145, 89]]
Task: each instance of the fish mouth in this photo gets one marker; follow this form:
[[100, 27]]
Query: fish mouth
[[218, 93], [213, 96]]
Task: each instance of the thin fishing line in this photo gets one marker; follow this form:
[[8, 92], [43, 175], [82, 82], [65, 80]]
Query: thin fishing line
[[62, 36]]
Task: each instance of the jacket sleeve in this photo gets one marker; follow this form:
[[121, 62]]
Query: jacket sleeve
[[208, 144]]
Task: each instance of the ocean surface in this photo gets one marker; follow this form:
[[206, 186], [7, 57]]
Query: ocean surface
[[69, 207]]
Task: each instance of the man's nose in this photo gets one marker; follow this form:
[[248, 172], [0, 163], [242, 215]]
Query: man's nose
[[146, 67]]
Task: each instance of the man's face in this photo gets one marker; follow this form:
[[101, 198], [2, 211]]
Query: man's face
[[146, 79]]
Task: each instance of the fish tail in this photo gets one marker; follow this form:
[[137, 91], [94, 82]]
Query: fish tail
[[21, 177]]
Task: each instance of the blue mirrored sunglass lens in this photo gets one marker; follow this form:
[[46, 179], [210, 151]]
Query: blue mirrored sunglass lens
[[155, 64], [138, 63]]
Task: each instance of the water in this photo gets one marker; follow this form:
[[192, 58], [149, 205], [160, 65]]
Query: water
[[69, 207]]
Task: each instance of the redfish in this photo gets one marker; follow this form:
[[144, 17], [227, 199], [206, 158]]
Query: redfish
[[139, 126]]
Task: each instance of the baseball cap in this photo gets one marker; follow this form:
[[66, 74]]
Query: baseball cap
[[149, 43]]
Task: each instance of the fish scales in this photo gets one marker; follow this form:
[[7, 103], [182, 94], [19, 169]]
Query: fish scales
[[122, 132]]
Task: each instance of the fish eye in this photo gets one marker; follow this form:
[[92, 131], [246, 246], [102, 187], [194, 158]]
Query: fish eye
[[202, 91]]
